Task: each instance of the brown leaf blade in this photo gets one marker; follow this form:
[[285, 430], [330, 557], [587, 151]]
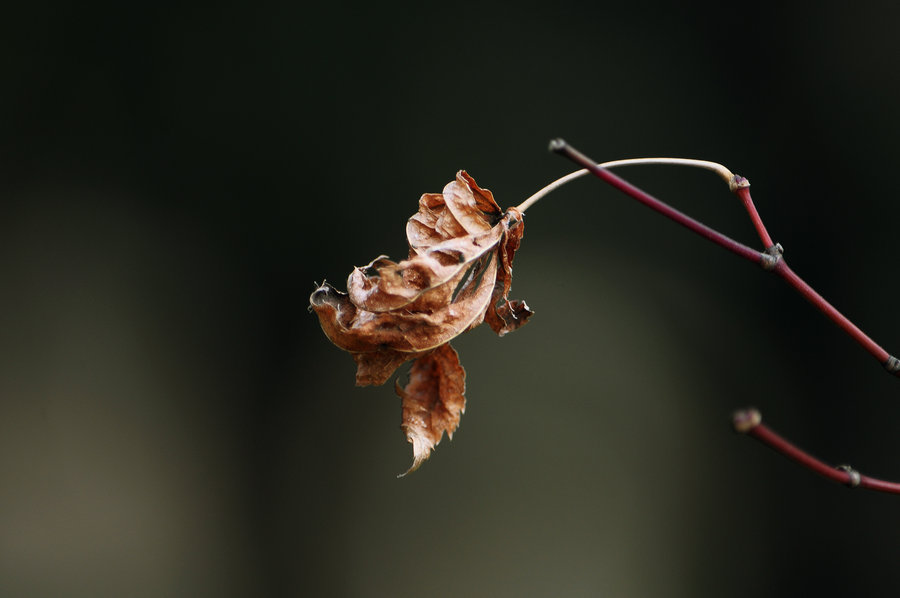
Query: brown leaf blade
[[383, 285], [473, 207], [356, 330], [375, 367], [432, 401]]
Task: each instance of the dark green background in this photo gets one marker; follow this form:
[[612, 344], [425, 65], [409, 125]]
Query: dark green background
[[174, 178]]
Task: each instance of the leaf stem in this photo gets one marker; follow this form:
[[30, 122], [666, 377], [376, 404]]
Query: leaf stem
[[723, 172], [749, 422]]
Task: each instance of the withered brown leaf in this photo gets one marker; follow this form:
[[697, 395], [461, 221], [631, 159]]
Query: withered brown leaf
[[433, 401], [457, 275]]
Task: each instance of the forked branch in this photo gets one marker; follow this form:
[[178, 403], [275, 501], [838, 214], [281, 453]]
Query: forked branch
[[771, 259]]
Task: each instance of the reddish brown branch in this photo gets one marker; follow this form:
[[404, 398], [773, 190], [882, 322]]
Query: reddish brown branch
[[749, 422], [741, 188], [833, 314], [770, 260]]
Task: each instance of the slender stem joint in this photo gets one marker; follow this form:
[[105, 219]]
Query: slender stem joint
[[772, 256], [738, 182], [892, 365], [854, 478]]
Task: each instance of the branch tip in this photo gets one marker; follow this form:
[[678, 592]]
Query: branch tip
[[557, 145], [745, 420]]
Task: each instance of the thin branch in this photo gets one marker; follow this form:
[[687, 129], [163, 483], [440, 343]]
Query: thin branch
[[743, 193], [810, 294], [771, 260], [749, 422]]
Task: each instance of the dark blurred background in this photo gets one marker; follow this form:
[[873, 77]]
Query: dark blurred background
[[173, 180]]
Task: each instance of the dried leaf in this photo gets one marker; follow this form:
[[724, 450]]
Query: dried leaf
[[504, 316], [432, 402], [458, 274], [470, 205]]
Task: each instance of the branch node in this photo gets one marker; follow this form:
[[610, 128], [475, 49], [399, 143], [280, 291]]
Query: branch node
[[854, 478], [892, 365], [745, 420], [738, 182], [772, 256]]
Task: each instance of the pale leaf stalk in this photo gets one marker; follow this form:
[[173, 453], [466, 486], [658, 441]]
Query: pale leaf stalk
[[719, 169]]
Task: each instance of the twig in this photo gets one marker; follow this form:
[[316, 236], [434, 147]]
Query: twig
[[749, 422], [771, 260], [742, 190]]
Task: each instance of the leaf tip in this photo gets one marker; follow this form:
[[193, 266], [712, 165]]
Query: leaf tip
[[421, 451]]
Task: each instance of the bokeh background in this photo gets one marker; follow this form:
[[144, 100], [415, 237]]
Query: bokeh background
[[173, 179]]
